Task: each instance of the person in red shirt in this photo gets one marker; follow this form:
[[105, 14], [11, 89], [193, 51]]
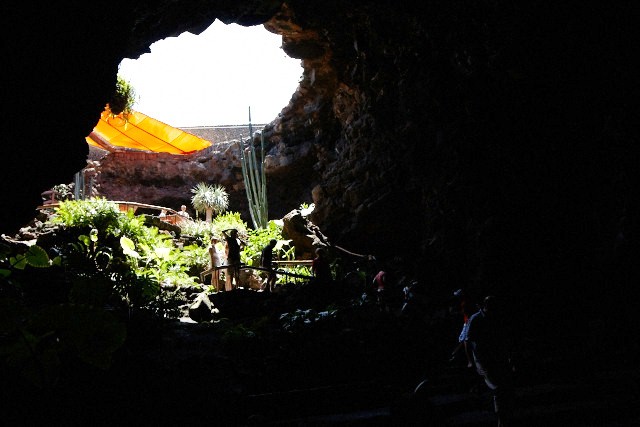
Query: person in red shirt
[[380, 285]]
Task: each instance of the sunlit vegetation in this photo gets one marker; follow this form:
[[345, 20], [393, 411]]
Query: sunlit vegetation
[[209, 199], [98, 269], [123, 98]]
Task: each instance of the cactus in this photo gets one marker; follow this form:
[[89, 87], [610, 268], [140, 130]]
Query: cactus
[[255, 181]]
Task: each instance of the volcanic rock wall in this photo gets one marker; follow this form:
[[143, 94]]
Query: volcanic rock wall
[[490, 144], [166, 179]]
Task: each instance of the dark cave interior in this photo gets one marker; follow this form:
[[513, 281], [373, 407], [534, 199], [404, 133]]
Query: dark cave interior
[[505, 133]]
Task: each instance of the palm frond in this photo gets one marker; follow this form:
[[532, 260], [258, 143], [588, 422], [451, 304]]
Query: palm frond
[[206, 196]]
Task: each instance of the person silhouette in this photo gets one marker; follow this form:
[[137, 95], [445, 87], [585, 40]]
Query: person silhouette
[[233, 258], [466, 310], [381, 283], [215, 258], [266, 261], [320, 267], [490, 344]]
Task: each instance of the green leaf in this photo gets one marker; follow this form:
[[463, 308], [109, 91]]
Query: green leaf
[[37, 257], [84, 239], [162, 253], [128, 247], [4, 272], [19, 261]]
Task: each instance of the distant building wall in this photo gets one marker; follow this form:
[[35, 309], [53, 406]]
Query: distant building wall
[[216, 134]]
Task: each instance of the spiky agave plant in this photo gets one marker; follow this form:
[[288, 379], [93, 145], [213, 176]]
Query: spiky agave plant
[[209, 199]]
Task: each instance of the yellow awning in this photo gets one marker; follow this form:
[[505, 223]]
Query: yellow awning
[[141, 132]]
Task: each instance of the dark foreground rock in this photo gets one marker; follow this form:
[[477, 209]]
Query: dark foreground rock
[[265, 361]]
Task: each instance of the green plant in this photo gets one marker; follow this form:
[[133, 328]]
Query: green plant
[[200, 230], [100, 275], [229, 220], [123, 98], [259, 238], [117, 250], [161, 262], [300, 270], [38, 334], [196, 257], [209, 199], [97, 213], [90, 252], [34, 256], [64, 191], [255, 181]]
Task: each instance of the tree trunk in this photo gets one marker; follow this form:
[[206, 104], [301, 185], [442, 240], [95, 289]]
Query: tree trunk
[[209, 213]]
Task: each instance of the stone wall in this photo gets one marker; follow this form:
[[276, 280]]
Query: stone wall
[[167, 179], [218, 134]]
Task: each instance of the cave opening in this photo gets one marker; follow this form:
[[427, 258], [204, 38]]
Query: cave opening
[[209, 83], [515, 121], [210, 79]]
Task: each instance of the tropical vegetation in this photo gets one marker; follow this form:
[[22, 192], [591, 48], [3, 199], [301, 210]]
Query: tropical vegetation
[[99, 269], [209, 199]]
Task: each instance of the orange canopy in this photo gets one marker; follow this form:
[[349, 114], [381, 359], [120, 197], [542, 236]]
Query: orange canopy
[[141, 132]]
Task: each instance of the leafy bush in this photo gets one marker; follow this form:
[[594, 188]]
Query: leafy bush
[[118, 248], [64, 191], [122, 99], [39, 330], [97, 213], [133, 227], [295, 269], [199, 230], [229, 220], [202, 231], [259, 238], [34, 256], [196, 257]]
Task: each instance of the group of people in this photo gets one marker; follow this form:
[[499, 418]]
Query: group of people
[[179, 216], [483, 340], [320, 267], [217, 260]]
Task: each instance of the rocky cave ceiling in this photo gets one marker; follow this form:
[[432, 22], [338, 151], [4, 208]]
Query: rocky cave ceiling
[[486, 142]]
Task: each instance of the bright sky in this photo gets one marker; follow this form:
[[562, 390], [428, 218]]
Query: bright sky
[[213, 78]]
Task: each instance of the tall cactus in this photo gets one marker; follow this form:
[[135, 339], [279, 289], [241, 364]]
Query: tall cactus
[[255, 181]]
